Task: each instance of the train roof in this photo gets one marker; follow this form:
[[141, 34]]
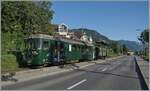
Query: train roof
[[71, 41], [44, 36], [75, 41], [67, 40]]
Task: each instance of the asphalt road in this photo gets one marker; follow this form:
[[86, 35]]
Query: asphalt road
[[119, 74]]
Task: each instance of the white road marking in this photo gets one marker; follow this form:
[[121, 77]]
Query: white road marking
[[76, 84], [104, 69]]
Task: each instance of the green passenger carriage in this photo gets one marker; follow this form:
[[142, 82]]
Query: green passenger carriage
[[41, 49]]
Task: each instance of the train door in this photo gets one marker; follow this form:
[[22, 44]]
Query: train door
[[45, 53], [97, 51], [55, 52], [62, 51], [58, 52]]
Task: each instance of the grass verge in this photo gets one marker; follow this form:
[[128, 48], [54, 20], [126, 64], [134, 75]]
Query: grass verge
[[8, 63], [146, 58]]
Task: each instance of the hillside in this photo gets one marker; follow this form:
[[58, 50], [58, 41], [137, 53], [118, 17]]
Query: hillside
[[131, 45], [95, 35]]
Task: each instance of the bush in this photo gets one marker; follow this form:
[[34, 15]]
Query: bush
[[8, 63], [146, 58]]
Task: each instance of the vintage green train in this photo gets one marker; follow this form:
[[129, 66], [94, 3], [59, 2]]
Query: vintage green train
[[42, 49]]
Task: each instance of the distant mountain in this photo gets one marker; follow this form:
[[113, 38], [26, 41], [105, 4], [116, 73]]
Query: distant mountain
[[94, 34], [132, 45]]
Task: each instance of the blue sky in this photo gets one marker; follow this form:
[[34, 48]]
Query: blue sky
[[116, 20]]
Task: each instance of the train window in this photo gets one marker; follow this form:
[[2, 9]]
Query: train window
[[70, 47], [52, 46], [78, 48], [73, 47], [45, 45], [82, 49], [33, 44], [61, 46], [90, 49]]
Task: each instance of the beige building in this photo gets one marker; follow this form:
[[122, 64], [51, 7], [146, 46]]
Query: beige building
[[130, 52]]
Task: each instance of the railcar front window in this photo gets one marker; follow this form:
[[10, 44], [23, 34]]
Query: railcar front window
[[33, 44]]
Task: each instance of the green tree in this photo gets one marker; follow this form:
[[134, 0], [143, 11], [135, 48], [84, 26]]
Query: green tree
[[114, 46], [26, 16], [144, 36], [124, 49]]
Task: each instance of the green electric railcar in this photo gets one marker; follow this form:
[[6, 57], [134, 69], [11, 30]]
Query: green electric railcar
[[37, 50], [41, 49]]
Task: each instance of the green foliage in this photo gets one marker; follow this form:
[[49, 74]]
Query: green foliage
[[131, 45], [144, 37], [124, 49], [12, 41], [26, 16], [8, 63], [114, 46], [136, 53], [146, 57]]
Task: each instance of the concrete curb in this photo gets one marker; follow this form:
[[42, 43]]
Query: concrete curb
[[142, 76]]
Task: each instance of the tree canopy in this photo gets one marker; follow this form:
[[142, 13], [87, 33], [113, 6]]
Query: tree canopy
[[144, 36], [26, 16], [124, 49], [114, 46]]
